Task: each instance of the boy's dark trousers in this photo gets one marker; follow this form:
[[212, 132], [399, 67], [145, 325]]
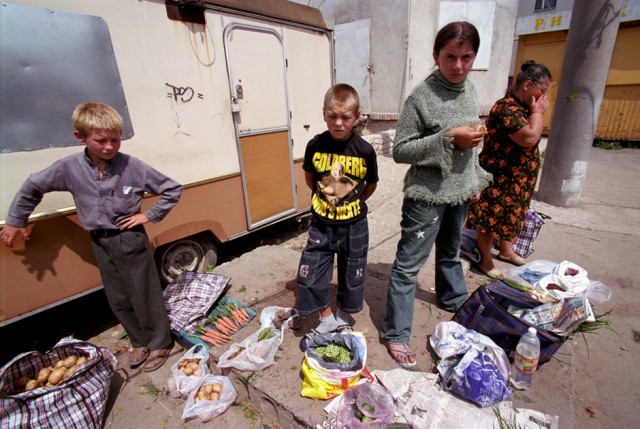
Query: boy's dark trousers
[[132, 285], [350, 243]]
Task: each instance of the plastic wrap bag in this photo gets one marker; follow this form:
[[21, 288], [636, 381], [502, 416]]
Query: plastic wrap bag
[[472, 365], [206, 410], [365, 405], [254, 353], [182, 382], [571, 279]]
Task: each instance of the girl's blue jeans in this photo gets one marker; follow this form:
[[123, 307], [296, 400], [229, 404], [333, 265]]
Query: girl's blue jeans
[[424, 224]]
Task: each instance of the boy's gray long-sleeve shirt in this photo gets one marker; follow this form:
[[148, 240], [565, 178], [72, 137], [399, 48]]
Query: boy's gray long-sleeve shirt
[[100, 201]]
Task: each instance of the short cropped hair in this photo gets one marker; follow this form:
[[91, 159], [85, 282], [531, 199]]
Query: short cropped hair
[[461, 31], [88, 117], [344, 95]]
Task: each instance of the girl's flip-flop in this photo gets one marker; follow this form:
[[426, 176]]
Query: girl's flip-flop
[[400, 354]]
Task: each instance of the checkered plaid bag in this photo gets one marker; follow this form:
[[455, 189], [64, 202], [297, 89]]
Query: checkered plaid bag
[[523, 245], [77, 402], [485, 311]]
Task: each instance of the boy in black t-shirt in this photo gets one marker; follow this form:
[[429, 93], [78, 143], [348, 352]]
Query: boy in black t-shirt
[[342, 172]]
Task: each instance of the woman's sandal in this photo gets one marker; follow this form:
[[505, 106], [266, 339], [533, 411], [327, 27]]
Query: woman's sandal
[[157, 358], [518, 261], [493, 272], [401, 354], [137, 356]]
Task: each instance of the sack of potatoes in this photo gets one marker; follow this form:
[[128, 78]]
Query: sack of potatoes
[[50, 376]]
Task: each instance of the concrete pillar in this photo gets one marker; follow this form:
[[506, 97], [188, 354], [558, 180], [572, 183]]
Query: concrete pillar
[[592, 36]]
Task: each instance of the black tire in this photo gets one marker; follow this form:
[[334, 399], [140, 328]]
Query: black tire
[[197, 253]]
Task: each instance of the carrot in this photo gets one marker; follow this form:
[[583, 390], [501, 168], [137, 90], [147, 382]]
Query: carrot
[[239, 315], [210, 340], [223, 328], [228, 323], [245, 314], [215, 334]]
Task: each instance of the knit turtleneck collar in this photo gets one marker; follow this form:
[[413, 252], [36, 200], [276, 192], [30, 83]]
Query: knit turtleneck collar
[[438, 77]]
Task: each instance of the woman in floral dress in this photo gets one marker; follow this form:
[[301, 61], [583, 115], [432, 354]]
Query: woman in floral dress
[[511, 155]]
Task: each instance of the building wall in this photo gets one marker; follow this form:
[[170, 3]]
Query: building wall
[[542, 36], [402, 34]]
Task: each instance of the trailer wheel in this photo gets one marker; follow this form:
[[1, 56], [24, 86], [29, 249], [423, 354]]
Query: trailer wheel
[[196, 253]]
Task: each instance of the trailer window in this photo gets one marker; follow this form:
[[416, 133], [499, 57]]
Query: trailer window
[[51, 62]]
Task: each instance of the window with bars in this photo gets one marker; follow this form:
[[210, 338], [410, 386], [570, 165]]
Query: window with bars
[[543, 5]]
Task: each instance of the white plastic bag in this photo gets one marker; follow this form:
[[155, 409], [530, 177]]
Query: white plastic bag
[[181, 383], [206, 410], [252, 354], [472, 365]]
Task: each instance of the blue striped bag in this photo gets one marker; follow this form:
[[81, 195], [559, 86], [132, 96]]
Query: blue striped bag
[[78, 402], [485, 311]]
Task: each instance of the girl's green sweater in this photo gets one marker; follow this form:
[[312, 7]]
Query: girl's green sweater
[[440, 172]]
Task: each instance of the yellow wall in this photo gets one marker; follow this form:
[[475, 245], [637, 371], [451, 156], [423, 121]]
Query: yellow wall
[[620, 111]]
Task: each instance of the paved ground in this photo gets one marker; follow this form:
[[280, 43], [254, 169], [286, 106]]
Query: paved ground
[[590, 383]]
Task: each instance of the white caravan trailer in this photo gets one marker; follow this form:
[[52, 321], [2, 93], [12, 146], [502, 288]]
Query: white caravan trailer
[[221, 96]]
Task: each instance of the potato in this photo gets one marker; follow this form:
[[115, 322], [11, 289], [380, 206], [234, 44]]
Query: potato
[[81, 360], [214, 396], [202, 396], [70, 361], [217, 387], [69, 372], [208, 388], [196, 372], [59, 364], [32, 384], [187, 371], [21, 383], [44, 374], [56, 376]]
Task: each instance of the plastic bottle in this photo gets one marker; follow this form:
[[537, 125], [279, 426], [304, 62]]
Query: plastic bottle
[[525, 362]]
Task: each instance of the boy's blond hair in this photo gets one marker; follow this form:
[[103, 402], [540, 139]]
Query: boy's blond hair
[[88, 117], [344, 95]]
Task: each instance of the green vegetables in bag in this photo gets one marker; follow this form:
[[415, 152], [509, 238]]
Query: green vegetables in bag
[[334, 353], [360, 415]]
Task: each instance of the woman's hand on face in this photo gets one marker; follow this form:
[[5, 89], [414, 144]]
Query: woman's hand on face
[[540, 104], [466, 137]]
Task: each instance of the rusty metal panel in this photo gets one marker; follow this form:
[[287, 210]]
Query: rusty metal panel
[[620, 114]]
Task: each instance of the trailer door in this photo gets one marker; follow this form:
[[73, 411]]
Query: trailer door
[[257, 77]]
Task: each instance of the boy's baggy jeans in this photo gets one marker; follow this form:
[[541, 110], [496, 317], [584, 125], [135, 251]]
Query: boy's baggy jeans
[[350, 243], [424, 224]]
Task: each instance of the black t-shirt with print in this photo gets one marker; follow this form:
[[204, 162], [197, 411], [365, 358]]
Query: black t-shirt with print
[[340, 172]]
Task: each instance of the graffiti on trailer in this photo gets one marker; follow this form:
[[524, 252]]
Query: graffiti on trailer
[[182, 94]]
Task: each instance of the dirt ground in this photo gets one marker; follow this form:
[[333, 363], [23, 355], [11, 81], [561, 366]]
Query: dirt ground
[[591, 382]]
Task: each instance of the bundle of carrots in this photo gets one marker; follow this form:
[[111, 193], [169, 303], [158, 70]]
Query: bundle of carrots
[[226, 319], [212, 336]]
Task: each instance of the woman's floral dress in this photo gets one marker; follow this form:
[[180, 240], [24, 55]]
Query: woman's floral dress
[[504, 204]]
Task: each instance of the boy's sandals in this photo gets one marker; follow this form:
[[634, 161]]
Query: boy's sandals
[[157, 358], [343, 329], [137, 356], [402, 354]]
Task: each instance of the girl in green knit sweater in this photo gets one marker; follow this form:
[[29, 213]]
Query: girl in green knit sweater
[[438, 135]]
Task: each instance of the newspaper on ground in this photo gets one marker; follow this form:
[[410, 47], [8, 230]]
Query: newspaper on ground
[[561, 317], [420, 401]]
